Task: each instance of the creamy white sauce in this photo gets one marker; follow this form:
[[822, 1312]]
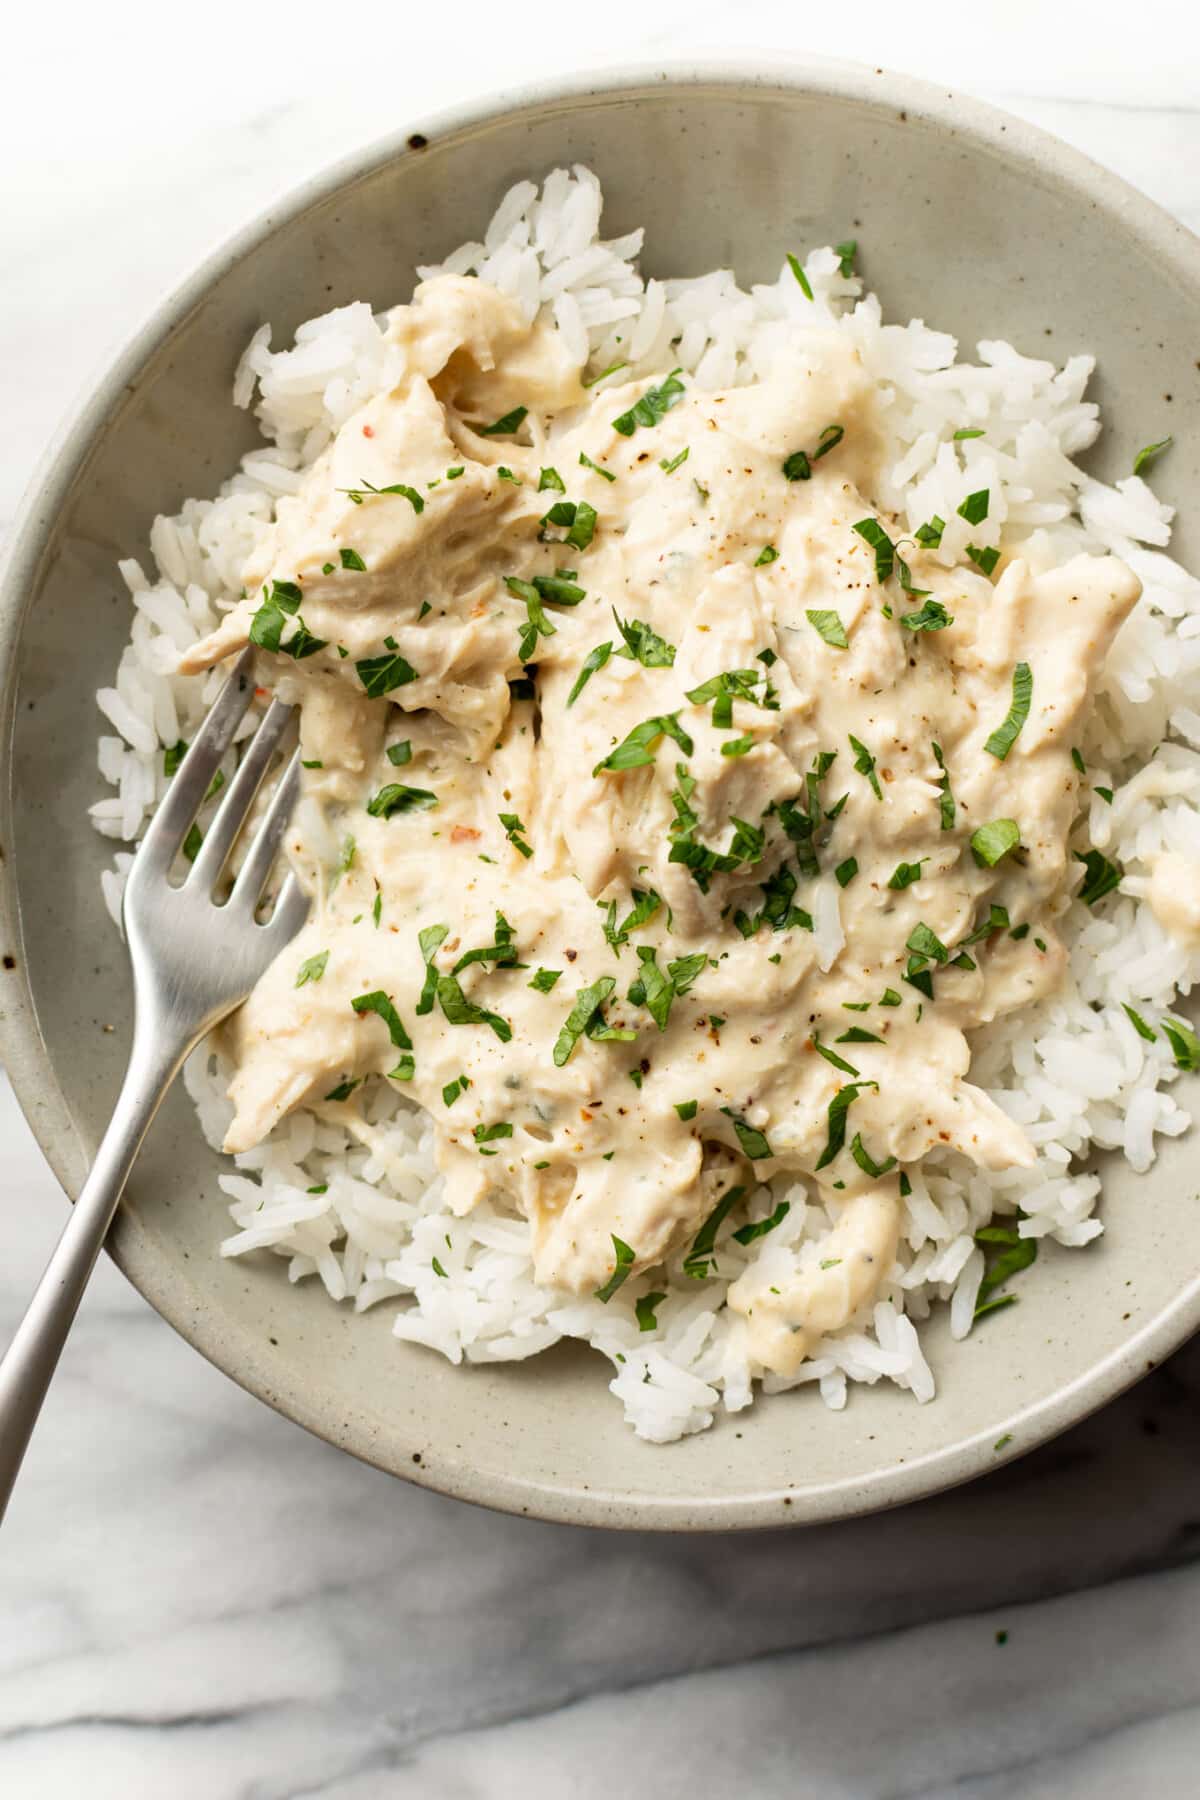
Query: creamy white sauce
[[596, 1149], [1174, 896]]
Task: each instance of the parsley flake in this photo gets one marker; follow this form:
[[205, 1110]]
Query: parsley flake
[[623, 1263], [1004, 737]]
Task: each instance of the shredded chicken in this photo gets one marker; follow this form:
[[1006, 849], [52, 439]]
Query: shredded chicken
[[692, 815]]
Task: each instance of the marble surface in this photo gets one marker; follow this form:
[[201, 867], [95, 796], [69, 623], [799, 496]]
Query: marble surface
[[199, 1601]]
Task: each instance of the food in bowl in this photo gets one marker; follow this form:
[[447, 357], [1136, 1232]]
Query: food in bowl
[[728, 724]]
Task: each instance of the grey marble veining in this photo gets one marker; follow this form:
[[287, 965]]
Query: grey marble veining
[[199, 1601]]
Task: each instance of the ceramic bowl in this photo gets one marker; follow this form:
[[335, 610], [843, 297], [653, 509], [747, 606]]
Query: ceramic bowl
[[967, 218]]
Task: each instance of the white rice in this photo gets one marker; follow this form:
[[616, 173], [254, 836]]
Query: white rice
[[362, 1211]]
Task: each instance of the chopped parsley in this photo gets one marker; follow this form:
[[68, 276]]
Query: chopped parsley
[[1007, 1253], [723, 690], [453, 1089], [623, 1263], [946, 805], [396, 797], [280, 602], [513, 831], [399, 754], [768, 554], [746, 1234], [974, 509], [173, 755], [643, 644], [699, 1260], [967, 431], [357, 494], [738, 746], [586, 1016], [458, 1010], [997, 920], [1150, 453], [594, 660], [502, 952], [905, 874], [687, 1109], [656, 991], [846, 253], [777, 910], [637, 750], [505, 426], [864, 764], [858, 1034], [585, 462], [866, 1161], [489, 1134], [644, 1311], [645, 904], [932, 617], [839, 1106], [994, 840], [536, 623], [382, 674], [344, 1088], [754, 1145], [544, 980], [831, 1056], [846, 871], [379, 1003], [802, 279], [352, 560], [1105, 794], [577, 516], [929, 536], [429, 939], [1004, 737], [985, 558], [1185, 1045], [926, 943], [551, 479], [1101, 878], [654, 405], [746, 845], [1139, 1024], [669, 464], [872, 533], [561, 588], [595, 380], [828, 625], [312, 969], [798, 466]]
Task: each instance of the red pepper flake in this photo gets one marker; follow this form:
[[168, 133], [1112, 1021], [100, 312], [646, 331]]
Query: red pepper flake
[[368, 431]]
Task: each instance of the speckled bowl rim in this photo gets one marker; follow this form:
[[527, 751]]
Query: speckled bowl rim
[[23, 1050]]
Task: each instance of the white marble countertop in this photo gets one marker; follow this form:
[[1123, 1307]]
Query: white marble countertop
[[199, 1601]]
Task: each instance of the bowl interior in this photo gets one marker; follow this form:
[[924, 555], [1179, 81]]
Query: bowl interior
[[972, 222]]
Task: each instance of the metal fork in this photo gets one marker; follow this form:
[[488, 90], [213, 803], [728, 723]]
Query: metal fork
[[193, 962]]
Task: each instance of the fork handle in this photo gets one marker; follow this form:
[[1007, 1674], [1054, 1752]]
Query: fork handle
[[32, 1357]]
